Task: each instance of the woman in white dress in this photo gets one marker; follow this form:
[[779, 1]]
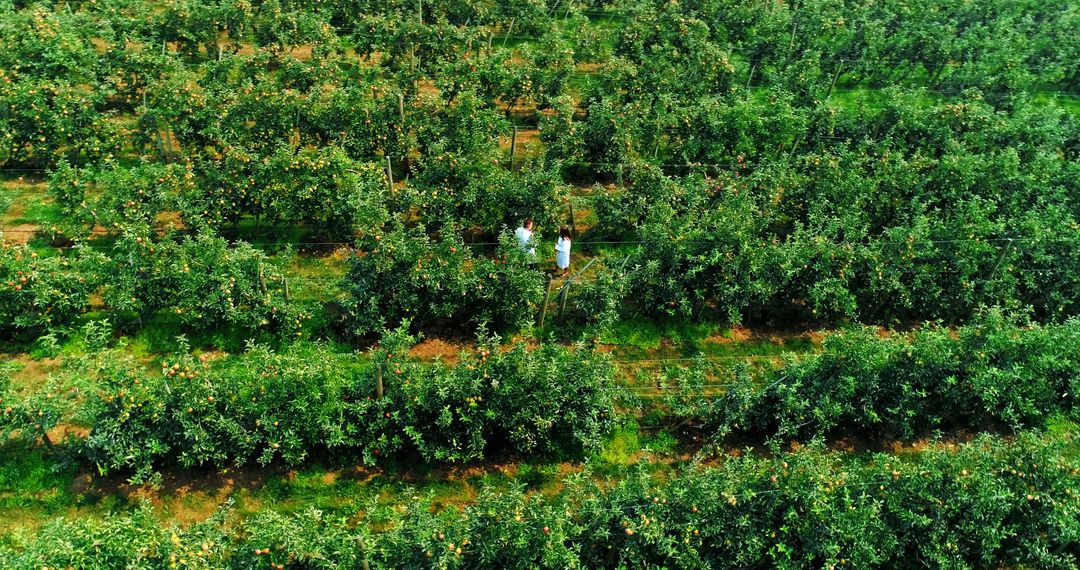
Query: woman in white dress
[[562, 250]]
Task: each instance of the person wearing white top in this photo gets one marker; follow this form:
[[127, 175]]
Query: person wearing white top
[[524, 237], [562, 250]]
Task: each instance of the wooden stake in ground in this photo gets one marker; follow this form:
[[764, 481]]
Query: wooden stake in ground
[[1001, 257], [378, 381], [160, 141], [562, 298], [508, 28], [389, 176], [401, 116], [513, 146], [565, 292], [547, 300], [169, 140], [839, 68]]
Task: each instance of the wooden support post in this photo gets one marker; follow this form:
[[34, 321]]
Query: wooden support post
[[839, 69], [285, 288], [160, 141], [562, 298], [573, 224], [1001, 257], [513, 146], [378, 381], [794, 146], [791, 44], [169, 140], [547, 300], [389, 176], [420, 11], [508, 29], [416, 70], [751, 77], [401, 117], [262, 281]]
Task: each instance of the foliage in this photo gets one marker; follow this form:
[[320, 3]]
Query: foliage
[[203, 280], [263, 406], [321, 188], [547, 401], [43, 291], [51, 105], [29, 417], [984, 502], [997, 373], [600, 299], [403, 273]]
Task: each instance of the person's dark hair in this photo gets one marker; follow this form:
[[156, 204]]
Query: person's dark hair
[[564, 232], [528, 222]]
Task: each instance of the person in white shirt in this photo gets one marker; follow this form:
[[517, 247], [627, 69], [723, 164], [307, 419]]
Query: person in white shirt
[[524, 237], [562, 250]]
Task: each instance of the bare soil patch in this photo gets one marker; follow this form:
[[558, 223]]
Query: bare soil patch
[[33, 373], [20, 234], [65, 431], [427, 87], [432, 348], [528, 141], [169, 220]]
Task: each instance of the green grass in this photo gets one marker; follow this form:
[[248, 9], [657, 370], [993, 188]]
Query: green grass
[[626, 443], [778, 346], [6, 198], [622, 445], [40, 209], [27, 203], [639, 337], [1061, 426], [1070, 103], [31, 481], [318, 278], [649, 334]]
